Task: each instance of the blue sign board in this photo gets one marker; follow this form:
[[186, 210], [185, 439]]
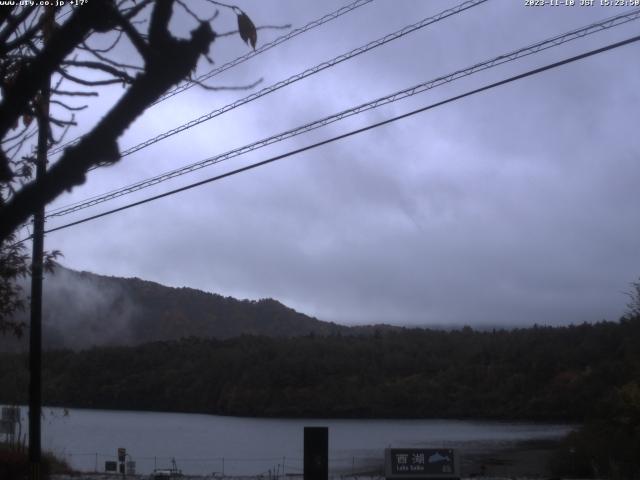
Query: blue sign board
[[421, 463]]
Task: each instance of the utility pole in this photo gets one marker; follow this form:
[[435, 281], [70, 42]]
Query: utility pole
[[35, 333]]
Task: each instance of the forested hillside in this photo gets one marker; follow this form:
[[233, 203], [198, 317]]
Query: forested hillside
[[543, 373], [83, 309]]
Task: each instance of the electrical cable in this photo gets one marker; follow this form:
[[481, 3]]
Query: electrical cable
[[243, 58], [340, 58], [354, 132], [309, 26], [414, 90], [302, 75]]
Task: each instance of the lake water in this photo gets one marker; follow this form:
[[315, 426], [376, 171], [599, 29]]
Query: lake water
[[203, 444]]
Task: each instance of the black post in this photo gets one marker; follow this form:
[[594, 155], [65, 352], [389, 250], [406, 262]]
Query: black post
[[316, 453], [35, 333], [35, 336]]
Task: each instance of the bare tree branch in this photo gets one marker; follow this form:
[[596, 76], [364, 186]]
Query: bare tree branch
[[134, 36], [14, 137], [171, 61], [103, 58], [74, 93], [84, 45], [89, 83], [121, 74], [264, 27], [136, 9], [61, 123], [13, 23], [31, 78], [69, 107]]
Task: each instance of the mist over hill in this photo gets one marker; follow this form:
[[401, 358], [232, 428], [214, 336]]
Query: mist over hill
[[82, 309]]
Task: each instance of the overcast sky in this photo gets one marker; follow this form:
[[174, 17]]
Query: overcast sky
[[515, 206]]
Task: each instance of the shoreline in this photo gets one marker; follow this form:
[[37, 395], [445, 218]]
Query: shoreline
[[524, 459], [570, 422]]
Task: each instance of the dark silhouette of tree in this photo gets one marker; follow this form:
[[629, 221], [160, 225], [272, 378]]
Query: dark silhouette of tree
[[573, 373], [13, 265], [76, 52], [633, 307]]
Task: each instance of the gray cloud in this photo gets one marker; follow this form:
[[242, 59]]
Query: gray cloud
[[518, 205]]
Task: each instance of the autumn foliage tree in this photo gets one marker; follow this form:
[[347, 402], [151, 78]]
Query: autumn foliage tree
[[74, 50]]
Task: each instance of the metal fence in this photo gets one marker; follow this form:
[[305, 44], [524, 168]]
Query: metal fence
[[271, 468]]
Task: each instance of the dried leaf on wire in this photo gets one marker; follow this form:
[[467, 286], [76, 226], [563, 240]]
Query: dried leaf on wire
[[247, 29]]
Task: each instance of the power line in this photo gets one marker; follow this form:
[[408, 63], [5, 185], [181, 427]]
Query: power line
[[294, 78], [354, 132], [414, 90], [243, 58], [307, 73], [263, 48]]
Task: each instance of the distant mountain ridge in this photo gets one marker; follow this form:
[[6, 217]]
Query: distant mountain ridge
[[83, 309]]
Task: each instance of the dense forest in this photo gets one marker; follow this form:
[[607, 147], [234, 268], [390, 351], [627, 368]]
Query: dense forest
[[587, 373], [539, 373]]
